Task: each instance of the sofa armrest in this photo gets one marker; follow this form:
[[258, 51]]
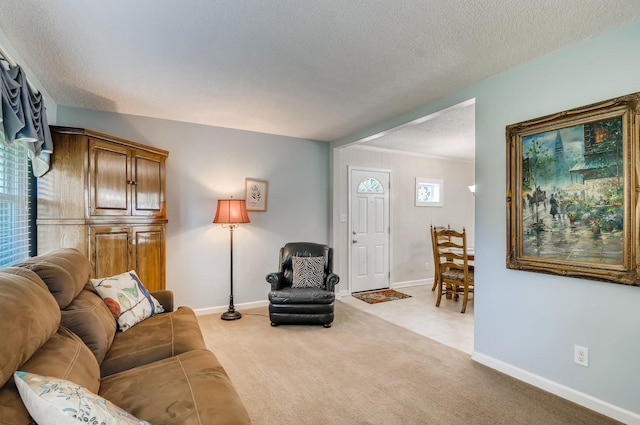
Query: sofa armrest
[[276, 280], [332, 281], [165, 298]]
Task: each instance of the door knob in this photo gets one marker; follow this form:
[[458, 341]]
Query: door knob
[[354, 232]]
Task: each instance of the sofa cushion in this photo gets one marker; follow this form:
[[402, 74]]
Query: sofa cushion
[[58, 401], [65, 272], [127, 298], [64, 356], [29, 315], [88, 317], [29, 274], [158, 337], [12, 410], [189, 389]]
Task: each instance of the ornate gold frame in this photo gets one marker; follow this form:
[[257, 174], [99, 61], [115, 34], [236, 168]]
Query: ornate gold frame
[[614, 124]]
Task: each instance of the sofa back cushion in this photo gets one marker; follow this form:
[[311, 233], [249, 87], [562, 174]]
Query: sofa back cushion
[[89, 317], [65, 272], [63, 356], [29, 316], [66, 356]]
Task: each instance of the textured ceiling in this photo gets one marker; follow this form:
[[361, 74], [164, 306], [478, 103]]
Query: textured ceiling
[[319, 70], [449, 133]]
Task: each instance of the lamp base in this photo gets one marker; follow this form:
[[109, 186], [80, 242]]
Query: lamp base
[[231, 315]]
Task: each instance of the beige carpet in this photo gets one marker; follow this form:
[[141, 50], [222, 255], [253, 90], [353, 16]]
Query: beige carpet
[[364, 370]]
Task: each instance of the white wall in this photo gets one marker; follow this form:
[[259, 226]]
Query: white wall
[[527, 323], [208, 163], [411, 242]]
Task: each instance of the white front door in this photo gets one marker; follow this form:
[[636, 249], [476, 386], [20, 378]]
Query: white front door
[[370, 232]]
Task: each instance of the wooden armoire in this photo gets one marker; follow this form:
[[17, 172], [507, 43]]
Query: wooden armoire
[[106, 197]]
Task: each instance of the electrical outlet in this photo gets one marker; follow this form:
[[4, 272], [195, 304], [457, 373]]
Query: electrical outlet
[[581, 356], [427, 266]]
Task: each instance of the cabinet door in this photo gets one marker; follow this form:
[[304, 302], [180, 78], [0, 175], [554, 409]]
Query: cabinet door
[[110, 250], [109, 179], [148, 184], [149, 253]]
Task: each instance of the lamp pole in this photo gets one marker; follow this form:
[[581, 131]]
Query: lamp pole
[[231, 313]]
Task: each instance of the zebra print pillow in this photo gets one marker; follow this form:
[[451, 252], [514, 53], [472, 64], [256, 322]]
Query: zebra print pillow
[[308, 272]]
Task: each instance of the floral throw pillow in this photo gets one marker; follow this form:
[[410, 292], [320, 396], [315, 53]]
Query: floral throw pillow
[[58, 401], [127, 298], [308, 272]]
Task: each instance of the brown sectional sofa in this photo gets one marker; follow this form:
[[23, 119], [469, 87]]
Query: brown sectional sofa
[[53, 323]]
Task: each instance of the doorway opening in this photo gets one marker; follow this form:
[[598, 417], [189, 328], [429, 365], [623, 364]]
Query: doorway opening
[[437, 147]]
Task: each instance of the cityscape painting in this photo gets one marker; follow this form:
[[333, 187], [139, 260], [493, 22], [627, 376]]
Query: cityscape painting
[[571, 197]]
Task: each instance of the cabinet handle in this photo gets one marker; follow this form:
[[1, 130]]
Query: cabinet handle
[[134, 183], [129, 182]]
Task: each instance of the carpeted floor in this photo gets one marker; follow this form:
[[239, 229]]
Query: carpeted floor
[[365, 371], [380, 296]]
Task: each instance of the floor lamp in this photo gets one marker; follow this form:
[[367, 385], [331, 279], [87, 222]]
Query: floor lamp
[[231, 212]]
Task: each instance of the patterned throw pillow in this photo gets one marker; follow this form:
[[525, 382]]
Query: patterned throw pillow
[[308, 272], [127, 298], [61, 402]]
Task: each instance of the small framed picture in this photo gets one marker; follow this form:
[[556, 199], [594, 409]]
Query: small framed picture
[[429, 192], [256, 194]]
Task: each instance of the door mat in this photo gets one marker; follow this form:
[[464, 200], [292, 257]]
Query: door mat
[[380, 296]]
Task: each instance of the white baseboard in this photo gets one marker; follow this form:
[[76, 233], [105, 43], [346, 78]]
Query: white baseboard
[[345, 292], [342, 293], [412, 283], [560, 390], [239, 307]]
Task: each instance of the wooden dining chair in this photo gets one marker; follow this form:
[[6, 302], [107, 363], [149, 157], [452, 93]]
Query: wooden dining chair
[[456, 272], [434, 249]]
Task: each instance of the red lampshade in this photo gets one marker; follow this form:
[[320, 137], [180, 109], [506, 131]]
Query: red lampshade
[[231, 211]]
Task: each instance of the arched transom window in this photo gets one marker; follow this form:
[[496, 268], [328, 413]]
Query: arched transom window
[[370, 185]]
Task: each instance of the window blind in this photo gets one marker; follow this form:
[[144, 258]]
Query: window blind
[[16, 205]]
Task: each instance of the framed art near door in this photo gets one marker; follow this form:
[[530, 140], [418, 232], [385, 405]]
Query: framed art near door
[[572, 192], [256, 194]]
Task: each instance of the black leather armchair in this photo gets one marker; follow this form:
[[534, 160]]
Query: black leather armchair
[[304, 306]]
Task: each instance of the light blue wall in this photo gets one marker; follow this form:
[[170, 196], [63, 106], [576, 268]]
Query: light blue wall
[[208, 163], [529, 322]]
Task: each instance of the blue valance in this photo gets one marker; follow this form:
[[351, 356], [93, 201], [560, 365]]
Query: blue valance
[[23, 118]]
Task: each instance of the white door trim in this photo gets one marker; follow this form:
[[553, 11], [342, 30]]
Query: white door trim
[[351, 168]]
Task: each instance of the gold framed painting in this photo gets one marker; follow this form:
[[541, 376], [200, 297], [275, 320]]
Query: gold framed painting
[[572, 192]]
